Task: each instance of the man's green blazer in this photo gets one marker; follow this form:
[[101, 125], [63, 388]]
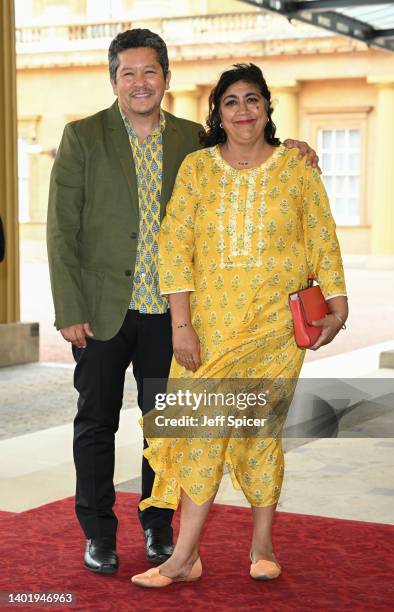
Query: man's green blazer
[[93, 216]]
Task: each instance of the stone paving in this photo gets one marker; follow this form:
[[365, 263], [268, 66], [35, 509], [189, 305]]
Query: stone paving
[[370, 284], [35, 397]]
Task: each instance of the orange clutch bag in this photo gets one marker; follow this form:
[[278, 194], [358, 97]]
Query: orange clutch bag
[[307, 305]]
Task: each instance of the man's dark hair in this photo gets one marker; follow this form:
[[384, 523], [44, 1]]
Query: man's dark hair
[[250, 73], [132, 39]]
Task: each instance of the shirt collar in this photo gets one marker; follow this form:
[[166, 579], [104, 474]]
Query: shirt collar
[[159, 129]]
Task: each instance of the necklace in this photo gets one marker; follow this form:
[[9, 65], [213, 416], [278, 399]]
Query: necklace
[[241, 163]]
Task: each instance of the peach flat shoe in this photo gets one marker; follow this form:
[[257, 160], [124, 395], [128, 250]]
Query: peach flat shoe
[[264, 569], [154, 580]]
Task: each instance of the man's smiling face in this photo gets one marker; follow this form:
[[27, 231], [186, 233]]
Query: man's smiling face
[[140, 82]]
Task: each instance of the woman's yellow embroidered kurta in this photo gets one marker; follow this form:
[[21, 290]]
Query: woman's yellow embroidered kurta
[[240, 242]]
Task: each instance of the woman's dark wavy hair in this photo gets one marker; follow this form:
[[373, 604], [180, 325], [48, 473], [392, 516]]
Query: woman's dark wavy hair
[[250, 73]]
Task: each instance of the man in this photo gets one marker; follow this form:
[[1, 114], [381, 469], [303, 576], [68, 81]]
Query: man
[[111, 180]]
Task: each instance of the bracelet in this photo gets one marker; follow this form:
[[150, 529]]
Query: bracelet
[[337, 316], [182, 325]]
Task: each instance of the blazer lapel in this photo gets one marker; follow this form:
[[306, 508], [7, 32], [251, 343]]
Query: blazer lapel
[[122, 146]]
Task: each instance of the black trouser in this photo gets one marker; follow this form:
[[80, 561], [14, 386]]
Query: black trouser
[[145, 341]]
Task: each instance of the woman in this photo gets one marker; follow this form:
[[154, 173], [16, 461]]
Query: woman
[[246, 223]]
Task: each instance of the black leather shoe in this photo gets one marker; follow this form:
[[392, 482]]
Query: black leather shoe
[[100, 555], [158, 544]]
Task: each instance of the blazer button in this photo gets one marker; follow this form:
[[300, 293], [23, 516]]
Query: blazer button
[[133, 235], [127, 272]]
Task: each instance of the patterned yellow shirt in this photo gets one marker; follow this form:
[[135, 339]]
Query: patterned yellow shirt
[[148, 161], [241, 241]]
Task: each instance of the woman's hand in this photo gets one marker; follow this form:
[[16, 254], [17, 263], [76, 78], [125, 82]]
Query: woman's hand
[[185, 342], [312, 158], [186, 346], [330, 327]]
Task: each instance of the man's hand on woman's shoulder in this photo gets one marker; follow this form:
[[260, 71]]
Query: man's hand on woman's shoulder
[[312, 158]]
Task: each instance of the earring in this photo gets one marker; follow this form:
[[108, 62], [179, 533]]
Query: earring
[[221, 125]]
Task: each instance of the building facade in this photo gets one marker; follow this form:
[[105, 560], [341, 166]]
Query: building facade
[[331, 91]]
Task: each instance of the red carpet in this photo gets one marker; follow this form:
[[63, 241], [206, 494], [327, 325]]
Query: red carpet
[[328, 564]]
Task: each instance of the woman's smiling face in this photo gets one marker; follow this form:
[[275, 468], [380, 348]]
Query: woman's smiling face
[[243, 112]]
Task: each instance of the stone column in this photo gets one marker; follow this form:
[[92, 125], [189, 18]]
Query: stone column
[[285, 115], [9, 269], [383, 180], [18, 341], [186, 102]]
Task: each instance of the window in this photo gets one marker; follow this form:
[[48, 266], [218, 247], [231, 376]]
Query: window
[[23, 181], [28, 148], [340, 157]]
